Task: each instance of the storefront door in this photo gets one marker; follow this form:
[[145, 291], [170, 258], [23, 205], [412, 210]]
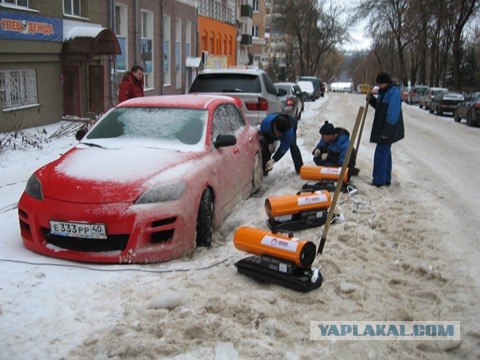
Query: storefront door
[[95, 89], [71, 90]]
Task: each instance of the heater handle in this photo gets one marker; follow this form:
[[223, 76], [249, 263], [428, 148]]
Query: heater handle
[[288, 232], [305, 192]]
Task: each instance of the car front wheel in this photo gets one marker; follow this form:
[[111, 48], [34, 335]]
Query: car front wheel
[[205, 220]]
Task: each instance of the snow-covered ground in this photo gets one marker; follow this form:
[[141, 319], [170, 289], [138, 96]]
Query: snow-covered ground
[[406, 252]]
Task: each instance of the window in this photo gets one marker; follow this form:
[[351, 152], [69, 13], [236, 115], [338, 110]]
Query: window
[[178, 54], [269, 85], [18, 88], [71, 7], [255, 31], [146, 55], [22, 3], [255, 5], [166, 50], [188, 38], [121, 30], [226, 121]]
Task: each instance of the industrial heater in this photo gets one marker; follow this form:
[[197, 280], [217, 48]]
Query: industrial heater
[[278, 258], [297, 212]]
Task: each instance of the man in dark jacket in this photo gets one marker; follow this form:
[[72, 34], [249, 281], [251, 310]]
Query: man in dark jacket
[[387, 128], [282, 127], [333, 146], [131, 85]]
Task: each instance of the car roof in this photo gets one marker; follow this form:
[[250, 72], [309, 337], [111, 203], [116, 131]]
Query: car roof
[[438, 88], [285, 83], [191, 101], [254, 71]]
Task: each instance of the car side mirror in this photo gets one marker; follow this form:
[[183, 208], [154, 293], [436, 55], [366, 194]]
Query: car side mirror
[[224, 140], [281, 92], [80, 134]]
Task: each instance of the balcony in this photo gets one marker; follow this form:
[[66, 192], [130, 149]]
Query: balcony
[[246, 39], [246, 11]]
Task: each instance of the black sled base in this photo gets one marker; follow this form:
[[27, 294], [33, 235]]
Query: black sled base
[[296, 222], [328, 185], [266, 269]]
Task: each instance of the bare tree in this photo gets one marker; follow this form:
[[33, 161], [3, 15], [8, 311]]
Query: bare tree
[[314, 29], [458, 13]]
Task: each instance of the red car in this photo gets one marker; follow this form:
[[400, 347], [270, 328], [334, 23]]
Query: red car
[[148, 183]]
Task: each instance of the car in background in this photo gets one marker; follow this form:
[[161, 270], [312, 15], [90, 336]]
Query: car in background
[[147, 183], [427, 97], [253, 86], [293, 100], [416, 93], [308, 89], [469, 109], [364, 88], [318, 85], [445, 101]]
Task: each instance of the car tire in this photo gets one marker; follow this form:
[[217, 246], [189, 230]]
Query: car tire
[[430, 110], [420, 106], [205, 220], [438, 112], [257, 175], [456, 117]]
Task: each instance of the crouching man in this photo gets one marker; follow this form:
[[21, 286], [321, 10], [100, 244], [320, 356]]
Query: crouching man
[[333, 146], [281, 127]]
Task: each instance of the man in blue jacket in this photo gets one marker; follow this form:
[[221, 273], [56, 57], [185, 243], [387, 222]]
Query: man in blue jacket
[[333, 146], [282, 127], [387, 128]]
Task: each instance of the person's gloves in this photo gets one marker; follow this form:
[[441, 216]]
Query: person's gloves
[[269, 165], [324, 156], [316, 152]]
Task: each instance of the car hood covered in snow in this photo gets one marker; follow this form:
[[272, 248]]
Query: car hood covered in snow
[[99, 176]]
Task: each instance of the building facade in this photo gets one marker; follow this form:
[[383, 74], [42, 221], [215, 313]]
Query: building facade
[[159, 36], [63, 58], [259, 37], [217, 32]]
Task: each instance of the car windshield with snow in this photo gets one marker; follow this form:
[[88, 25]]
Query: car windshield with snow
[[170, 128]]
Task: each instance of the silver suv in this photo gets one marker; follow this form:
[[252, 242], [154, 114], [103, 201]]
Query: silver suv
[[253, 86]]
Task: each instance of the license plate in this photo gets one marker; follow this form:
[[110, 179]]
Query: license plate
[[79, 230]]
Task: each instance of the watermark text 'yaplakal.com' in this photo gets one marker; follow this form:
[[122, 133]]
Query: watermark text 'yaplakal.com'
[[384, 330]]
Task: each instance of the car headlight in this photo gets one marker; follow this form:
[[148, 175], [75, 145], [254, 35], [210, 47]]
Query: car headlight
[[34, 188], [162, 193]]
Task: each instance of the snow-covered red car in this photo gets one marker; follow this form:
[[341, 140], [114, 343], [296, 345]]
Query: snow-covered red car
[[148, 183]]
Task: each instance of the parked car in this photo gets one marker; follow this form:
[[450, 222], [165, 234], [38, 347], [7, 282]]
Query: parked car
[[253, 86], [147, 183], [293, 100], [469, 109], [318, 85], [415, 93], [308, 89], [445, 101], [427, 97]]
